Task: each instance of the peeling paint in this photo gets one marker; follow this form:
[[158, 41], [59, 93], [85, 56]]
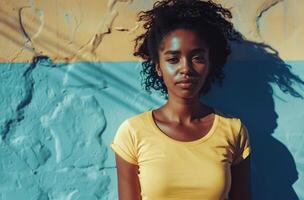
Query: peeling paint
[[121, 29], [264, 8], [105, 29], [28, 43], [93, 29], [29, 89]]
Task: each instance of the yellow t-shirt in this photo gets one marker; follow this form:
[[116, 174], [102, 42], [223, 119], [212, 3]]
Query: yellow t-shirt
[[177, 170]]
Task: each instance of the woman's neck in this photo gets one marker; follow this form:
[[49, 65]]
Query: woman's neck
[[184, 110]]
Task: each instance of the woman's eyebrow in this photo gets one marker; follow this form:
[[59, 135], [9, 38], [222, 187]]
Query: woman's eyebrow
[[171, 52], [199, 50]]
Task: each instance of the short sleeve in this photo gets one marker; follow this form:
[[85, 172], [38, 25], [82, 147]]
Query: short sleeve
[[242, 148], [124, 143]]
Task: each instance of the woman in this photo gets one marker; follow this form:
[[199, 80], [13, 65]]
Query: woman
[[183, 150]]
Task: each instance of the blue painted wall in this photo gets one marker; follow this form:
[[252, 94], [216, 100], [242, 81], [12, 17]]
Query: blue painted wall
[[57, 121]]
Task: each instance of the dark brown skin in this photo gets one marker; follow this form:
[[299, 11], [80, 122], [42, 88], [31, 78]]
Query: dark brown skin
[[128, 183], [183, 56], [240, 184]]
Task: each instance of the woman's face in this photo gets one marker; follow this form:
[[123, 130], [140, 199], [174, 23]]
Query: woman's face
[[183, 63]]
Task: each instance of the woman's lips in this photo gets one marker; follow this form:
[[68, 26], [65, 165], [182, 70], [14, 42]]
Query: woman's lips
[[186, 84]]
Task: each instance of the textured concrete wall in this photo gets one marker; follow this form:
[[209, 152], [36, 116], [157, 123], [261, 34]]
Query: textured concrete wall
[[73, 30], [60, 111]]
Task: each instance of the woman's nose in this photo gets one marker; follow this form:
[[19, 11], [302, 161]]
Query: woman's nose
[[186, 67]]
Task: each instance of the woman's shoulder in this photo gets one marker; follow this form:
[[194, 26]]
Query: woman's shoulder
[[137, 120], [228, 120], [139, 117], [232, 128]]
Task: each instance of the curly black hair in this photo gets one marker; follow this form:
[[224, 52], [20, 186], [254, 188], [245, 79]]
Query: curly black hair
[[208, 19]]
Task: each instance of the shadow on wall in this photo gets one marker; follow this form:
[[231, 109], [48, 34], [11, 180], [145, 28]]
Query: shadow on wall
[[247, 93]]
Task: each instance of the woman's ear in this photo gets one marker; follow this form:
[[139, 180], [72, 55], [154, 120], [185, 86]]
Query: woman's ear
[[158, 70]]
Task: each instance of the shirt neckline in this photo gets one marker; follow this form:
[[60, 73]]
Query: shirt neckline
[[166, 137]]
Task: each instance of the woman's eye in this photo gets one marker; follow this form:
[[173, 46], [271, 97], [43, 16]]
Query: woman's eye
[[172, 60], [199, 59]]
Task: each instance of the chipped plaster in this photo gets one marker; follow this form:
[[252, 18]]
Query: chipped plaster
[[79, 31]]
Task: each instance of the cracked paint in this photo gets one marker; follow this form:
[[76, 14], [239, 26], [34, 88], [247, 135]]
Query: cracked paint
[[264, 8], [105, 28], [82, 134], [80, 31], [57, 144], [29, 86]]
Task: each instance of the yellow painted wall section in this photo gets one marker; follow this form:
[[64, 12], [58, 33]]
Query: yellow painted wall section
[[103, 30]]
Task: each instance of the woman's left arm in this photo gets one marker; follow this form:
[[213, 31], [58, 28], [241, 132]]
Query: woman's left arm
[[240, 181]]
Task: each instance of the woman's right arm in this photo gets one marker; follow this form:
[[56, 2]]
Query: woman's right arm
[[128, 181]]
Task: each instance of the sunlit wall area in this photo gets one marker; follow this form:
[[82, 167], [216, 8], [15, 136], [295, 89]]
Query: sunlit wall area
[[68, 79]]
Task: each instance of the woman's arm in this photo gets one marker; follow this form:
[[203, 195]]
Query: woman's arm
[[240, 181], [128, 182]]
